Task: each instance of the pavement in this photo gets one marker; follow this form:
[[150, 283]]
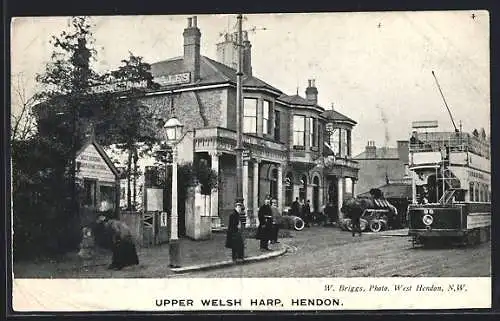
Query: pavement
[[313, 252], [196, 255]]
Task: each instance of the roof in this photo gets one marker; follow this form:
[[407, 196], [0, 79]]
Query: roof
[[394, 190], [211, 72], [296, 100], [335, 115], [380, 153]]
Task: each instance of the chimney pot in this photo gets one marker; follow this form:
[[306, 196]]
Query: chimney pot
[[190, 22], [309, 82], [313, 82], [195, 21], [245, 36]]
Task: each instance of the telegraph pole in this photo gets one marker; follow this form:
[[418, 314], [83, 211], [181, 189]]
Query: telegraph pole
[[239, 123]]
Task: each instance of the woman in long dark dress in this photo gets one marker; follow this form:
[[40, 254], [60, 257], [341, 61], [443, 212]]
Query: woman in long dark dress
[[122, 244], [234, 239]]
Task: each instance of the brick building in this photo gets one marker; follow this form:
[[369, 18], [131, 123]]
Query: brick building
[[296, 148], [381, 166]]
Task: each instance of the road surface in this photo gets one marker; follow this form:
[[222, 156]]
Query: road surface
[[329, 252]]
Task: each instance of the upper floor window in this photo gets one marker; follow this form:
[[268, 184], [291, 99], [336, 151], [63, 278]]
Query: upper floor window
[[334, 140], [313, 130], [343, 143], [471, 192], [266, 113], [277, 134], [299, 133], [250, 115], [339, 140]]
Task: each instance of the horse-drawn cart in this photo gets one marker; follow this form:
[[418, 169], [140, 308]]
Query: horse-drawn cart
[[375, 217]]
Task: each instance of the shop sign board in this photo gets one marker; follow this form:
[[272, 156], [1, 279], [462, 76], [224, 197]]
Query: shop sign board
[[91, 165]]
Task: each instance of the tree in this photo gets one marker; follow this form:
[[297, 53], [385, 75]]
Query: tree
[[126, 122], [22, 118], [44, 190]]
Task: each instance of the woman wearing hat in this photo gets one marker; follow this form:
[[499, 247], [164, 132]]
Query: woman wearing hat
[[123, 246]]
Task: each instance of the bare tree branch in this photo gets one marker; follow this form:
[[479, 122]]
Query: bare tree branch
[[22, 118]]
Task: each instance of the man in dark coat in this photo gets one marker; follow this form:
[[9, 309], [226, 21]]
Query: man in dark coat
[[306, 213], [234, 239], [355, 212], [276, 221], [264, 230], [122, 245], [331, 213], [295, 210]]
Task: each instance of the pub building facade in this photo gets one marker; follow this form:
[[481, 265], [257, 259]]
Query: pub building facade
[[294, 147]]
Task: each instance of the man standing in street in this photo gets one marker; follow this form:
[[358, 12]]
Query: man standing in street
[[264, 230], [276, 221], [356, 211], [295, 207], [306, 213], [234, 239]]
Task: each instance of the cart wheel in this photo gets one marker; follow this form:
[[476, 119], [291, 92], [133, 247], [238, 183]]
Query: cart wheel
[[298, 224], [375, 226]]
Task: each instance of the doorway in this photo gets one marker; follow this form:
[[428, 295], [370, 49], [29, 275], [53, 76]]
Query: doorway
[[333, 193], [316, 194]]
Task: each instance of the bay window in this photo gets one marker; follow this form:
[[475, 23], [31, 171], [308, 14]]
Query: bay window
[[313, 131], [299, 130], [250, 115], [266, 112]]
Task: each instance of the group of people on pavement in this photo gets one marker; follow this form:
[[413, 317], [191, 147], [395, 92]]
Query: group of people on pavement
[[302, 210], [267, 231], [268, 224]]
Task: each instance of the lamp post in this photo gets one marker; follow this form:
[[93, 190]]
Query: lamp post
[[239, 123], [173, 129]]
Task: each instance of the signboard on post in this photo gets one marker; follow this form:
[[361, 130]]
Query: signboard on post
[[154, 199]]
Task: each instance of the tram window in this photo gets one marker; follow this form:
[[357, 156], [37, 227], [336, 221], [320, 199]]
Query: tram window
[[460, 195], [476, 192], [471, 192]]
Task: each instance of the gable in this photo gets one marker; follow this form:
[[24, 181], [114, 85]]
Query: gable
[[93, 165]]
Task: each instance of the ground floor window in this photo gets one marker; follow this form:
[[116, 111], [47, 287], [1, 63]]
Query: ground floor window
[[107, 198]]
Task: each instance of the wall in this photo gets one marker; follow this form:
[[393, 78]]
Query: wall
[[372, 173], [194, 109], [231, 109]]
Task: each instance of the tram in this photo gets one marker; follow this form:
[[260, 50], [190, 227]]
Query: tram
[[450, 186]]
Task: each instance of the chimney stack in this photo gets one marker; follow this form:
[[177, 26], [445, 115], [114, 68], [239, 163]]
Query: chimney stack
[[370, 149], [192, 36], [247, 55], [312, 92]]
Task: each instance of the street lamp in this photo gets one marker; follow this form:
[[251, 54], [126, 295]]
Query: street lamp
[[173, 128]]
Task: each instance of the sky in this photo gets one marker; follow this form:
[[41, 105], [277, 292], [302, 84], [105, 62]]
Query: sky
[[373, 67]]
